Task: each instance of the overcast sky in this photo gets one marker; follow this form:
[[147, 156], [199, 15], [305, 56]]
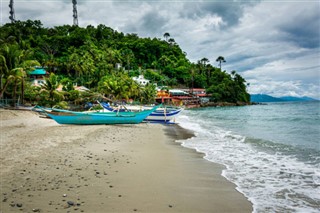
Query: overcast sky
[[274, 45]]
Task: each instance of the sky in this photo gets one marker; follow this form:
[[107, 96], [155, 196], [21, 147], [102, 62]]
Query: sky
[[273, 44]]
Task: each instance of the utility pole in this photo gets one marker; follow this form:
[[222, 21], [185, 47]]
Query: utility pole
[[75, 13], [12, 16]]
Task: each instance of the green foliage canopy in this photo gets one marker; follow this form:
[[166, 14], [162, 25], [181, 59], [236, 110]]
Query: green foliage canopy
[[88, 56]]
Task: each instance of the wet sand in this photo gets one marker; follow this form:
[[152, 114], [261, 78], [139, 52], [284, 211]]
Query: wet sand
[[47, 167]]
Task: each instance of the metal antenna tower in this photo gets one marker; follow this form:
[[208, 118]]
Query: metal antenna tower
[[12, 16], [75, 13]]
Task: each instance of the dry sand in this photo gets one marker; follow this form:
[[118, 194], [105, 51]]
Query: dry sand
[[47, 167]]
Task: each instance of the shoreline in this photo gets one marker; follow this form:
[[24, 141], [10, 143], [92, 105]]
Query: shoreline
[[119, 168]]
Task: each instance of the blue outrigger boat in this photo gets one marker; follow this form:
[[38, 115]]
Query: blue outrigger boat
[[161, 115], [93, 118]]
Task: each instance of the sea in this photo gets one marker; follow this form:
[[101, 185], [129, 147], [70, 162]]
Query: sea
[[271, 152]]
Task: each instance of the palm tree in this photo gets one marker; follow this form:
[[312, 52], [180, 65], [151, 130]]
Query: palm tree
[[166, 36], [204, 61], [171, 41], [114, 87], [13, 68], [220, 59], [148, 94], [9, 58], [202, 64], [17, 76], [49, 88]]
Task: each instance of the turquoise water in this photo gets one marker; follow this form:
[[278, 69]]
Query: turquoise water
[[271, 152]]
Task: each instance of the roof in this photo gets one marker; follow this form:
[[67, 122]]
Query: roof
[[198, 89], [81, 88], [38, 71], [177, 92]]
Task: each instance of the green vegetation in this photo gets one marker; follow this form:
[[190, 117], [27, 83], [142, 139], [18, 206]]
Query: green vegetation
[[88, 56]]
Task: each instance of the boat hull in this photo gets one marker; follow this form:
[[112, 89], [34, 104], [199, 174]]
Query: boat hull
[[70, 117], [163, 115]]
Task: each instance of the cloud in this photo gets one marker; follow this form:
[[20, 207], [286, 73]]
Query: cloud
[[303, 26], [284, 88], [264, 51], [274, 45], [229, 12]]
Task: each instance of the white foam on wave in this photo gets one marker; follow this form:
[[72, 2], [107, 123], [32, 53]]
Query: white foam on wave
[[272, 182]]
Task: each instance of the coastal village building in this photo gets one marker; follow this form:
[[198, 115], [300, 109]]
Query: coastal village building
[[200, 93], [141, 80], [178, 97], [37, 76], [79, 88]]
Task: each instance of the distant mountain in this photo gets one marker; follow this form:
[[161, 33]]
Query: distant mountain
[[263, 98], [268, 98], [304, 98]]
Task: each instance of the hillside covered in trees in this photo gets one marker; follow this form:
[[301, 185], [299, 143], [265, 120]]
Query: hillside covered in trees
[[88, 56]]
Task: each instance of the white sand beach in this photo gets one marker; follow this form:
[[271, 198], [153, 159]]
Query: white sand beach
[[47, 167]]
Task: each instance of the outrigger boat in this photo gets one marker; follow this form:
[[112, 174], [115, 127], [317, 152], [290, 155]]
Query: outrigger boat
[[91, 118], [162, 115]]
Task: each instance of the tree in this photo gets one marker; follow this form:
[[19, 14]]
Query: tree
[[128, 56], [204, 61], [148, 94], [220, 59], [118, 87], [49, 51], [49, 90], [202, 64], [166, 36], [171, 41], [192, 74], [87, 55], [13, 68]]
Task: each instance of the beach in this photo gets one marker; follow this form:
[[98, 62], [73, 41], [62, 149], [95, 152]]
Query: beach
[[47, 167]]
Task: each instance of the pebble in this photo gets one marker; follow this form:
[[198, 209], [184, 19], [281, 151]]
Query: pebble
[[19, 205], [36, 210], [70, 203]]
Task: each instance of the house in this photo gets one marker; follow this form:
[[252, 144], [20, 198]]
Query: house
[[178, 97], [196, 91], [75, 87], [37, 76], [141, 80], [200, 93], [177, 92], [38, 72]]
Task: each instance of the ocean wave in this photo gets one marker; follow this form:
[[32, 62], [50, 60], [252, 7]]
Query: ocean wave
[[274, 177]]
